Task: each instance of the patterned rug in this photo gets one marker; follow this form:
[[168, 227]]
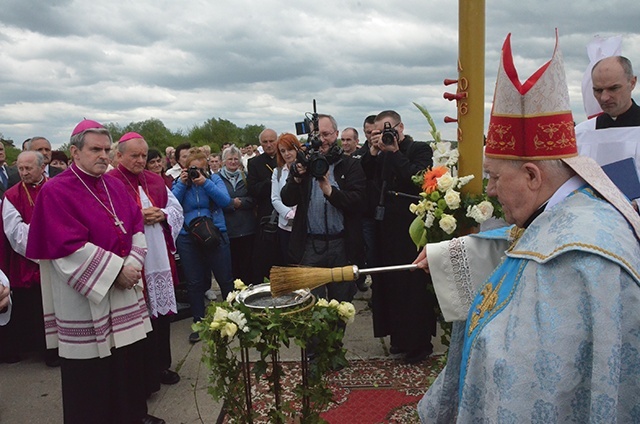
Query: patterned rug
[[366, 392]]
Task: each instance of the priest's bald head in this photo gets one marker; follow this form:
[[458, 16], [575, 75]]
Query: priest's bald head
[[132, 152], [531, 148]]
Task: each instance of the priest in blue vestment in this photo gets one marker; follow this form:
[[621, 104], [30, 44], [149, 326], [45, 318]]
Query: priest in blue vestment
[[547, 312]]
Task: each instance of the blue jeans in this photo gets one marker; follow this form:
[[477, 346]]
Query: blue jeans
[[198, 264]]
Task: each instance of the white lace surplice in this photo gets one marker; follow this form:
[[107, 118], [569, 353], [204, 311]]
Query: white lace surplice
[[161, 297], [458, 267]]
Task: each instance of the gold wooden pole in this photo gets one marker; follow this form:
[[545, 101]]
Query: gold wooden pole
[[471, 46]]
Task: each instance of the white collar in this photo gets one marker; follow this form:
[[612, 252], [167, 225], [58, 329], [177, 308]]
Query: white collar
[[569, 186]]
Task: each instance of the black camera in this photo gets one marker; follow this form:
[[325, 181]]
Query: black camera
[[316, 163], [193, 172], [389, 134]]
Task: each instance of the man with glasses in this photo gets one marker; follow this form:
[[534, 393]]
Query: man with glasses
[[327, 228], [403, 306]]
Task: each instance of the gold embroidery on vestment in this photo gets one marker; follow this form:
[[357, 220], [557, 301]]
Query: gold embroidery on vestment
[[487, 304]]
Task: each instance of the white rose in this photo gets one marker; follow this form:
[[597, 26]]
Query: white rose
[[347, 312], [322, 302], [238, 284], [452, 198], [446, 182], [428, 221], [221, 314], [481, 212], [448, 223], [334, 303], [229, 329]]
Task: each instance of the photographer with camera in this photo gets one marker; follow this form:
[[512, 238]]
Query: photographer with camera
[[403, 305], [202, 195], [326, 230]]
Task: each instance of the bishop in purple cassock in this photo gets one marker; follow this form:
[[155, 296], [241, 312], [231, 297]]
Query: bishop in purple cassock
[[87, 233]]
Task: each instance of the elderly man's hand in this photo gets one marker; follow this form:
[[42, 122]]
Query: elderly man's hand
[[128, 277], [4, 297], [153, 215], [421, 260]]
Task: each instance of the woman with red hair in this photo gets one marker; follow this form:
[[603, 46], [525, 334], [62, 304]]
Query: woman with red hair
[[287, 148]]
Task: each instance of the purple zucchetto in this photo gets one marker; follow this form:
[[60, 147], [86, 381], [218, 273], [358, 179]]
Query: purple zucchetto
[[86, 124], [128, 136]]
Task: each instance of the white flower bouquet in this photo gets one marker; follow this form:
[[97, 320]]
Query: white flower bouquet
[[445, 211]]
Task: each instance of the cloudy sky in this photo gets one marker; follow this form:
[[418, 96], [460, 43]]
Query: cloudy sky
[[262, 62]]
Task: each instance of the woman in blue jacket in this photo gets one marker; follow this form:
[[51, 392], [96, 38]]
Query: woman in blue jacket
[[201, 194]]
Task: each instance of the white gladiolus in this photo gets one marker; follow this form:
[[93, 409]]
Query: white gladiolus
[[462, 181], [428, 221], [231, 297], [239, 319]]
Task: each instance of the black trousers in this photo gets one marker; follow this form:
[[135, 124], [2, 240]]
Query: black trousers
[[24, 333], [157, 352], [265, 255], [241, 251], [105, 390], [328, 254]]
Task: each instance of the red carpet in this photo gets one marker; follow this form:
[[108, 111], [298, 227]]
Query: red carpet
[[367, 392]]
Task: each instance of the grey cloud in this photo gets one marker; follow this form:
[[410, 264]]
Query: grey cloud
[[262, 62]]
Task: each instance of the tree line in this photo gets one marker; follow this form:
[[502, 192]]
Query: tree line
[[213, 132]]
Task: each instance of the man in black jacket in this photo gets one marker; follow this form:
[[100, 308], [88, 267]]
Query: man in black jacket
[[327, 228], [259, 170], [613, 82], [8, 174], [42, 145], [403, 304]]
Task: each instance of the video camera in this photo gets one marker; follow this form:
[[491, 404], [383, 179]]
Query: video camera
[[315, 162]]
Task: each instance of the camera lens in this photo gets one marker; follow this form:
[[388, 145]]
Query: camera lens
[[318, 166], [193, 172], [389, 134], [388, 137]]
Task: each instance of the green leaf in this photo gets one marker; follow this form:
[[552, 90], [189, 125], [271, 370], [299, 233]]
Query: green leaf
[[418, 233]]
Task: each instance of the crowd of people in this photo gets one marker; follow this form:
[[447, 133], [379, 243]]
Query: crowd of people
[[93, 249], [101, 295]]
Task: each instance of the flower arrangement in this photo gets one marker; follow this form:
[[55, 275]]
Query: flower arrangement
[[444, 211], [230, 327]]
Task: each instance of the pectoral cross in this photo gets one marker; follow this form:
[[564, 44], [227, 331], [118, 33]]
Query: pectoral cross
[[119, 223]]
